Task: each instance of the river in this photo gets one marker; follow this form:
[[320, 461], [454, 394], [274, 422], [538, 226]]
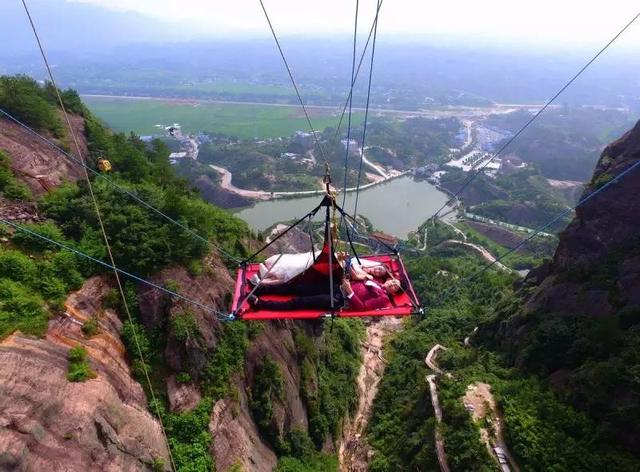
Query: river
[[396, 207]]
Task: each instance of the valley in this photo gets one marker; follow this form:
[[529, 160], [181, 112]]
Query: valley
[[160, 310]]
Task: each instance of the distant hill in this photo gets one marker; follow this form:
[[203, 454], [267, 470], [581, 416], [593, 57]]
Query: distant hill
[[75, 27], [95, 48]]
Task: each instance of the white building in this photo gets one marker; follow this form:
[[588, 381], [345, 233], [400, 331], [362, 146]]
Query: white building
[[176, 156]]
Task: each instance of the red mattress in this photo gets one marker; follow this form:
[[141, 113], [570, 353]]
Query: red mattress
[[402, 303]]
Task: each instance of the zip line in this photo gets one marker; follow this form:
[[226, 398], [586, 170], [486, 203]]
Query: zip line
[[366, 111], [119, 187], [350, 100], [102, 228], [534, 117], [293, 82], [364, 51], [541, 229]]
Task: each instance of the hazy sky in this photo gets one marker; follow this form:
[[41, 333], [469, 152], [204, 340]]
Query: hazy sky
[[551, 21]]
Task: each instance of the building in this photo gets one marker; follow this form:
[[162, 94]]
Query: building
[[354, 149], [303, 139], [176, 156], [426, 171]]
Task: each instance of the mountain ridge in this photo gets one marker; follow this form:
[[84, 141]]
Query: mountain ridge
[[577, 316]]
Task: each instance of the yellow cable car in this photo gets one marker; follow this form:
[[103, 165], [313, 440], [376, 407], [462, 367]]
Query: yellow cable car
[[104, 165]]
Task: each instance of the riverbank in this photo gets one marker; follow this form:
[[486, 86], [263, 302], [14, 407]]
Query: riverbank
[[227, 176], [396, 206]]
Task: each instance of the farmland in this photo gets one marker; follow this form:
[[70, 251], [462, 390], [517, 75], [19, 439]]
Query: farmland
[[234, 119]]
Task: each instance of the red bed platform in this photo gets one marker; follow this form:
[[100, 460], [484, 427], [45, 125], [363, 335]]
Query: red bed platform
[[403, 304]]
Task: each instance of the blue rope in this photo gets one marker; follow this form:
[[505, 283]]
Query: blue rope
[[534, 117], [115, 185], [220, 315], [540, 230]]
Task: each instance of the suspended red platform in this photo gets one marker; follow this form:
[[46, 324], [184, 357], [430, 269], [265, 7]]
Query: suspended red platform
[[325, 271], [401, 304]]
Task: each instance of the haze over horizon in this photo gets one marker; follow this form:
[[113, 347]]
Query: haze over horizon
[[547, 24], [467, 53], [572, 21]]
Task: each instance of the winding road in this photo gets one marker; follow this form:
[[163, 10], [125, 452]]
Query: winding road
[[480, 401], [435, 401], [482, 251], [227, 176]]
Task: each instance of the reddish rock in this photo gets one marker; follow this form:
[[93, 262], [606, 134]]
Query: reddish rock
[[236, 438], [182, 397], [35, 162], [48, 423]]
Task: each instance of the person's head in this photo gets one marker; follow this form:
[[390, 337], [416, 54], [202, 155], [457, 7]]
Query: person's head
[[393, 286], [379, 271]]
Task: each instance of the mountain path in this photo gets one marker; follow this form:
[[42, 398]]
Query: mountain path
[[354, 453]]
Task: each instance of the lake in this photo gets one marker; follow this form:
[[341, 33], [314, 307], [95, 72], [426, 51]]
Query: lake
[[396, 207]]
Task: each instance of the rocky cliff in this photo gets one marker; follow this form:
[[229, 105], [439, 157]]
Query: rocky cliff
[[577, 319], [36, 162], [236, 438], [49, 423]]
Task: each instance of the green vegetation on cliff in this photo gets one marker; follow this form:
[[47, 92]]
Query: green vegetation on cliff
[[36, 277], [79, 369], [10, 187], [34, 282], [542, 432]]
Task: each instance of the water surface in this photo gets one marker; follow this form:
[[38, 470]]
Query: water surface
[[396, 207]]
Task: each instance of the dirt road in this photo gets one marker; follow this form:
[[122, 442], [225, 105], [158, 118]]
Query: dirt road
[[354, 453], [227, 176], [480, 402], [482, 251], [430, 360]]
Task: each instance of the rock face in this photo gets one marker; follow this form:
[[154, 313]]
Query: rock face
[[237, 440], [578, 316], [212, 289], [19, 212], [49, 423], [35, 162], [236, 437]]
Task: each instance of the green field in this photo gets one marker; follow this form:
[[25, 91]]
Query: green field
[[242, 120]]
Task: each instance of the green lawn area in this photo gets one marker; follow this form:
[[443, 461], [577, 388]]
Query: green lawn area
[[241, 120]]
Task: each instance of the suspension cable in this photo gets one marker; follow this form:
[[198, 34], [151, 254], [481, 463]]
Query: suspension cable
[[102, 228], [535, 116], [366, 112], [350, 100], [541, 229], [293, 82], [221, 316], [355, 78], [114, 184]]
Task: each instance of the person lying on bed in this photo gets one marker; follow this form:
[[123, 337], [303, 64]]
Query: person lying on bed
[[280, 268], [356, 296], [366, 269]]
